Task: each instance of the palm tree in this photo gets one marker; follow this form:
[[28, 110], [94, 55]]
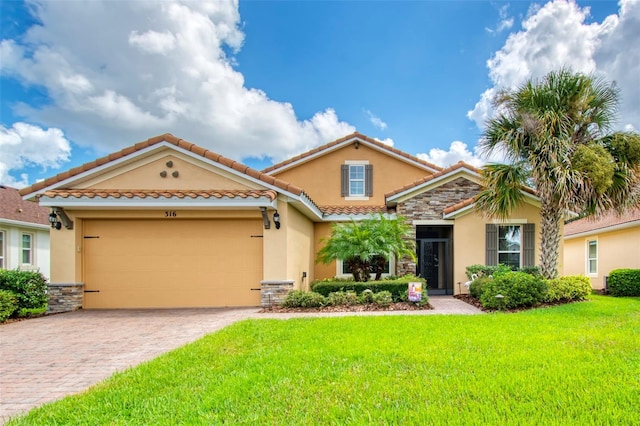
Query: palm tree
[[556, 134], [365, 246]]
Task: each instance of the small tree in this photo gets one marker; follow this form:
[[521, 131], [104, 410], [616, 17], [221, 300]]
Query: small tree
[[365, 246]]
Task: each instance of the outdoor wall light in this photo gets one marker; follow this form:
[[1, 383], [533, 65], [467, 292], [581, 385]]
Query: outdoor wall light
[[276, 219], [53, 220]]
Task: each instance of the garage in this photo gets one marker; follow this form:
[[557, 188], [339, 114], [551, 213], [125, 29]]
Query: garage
[[171, 263]]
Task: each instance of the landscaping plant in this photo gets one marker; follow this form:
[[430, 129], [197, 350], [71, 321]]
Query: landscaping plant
[[624, 282], [513, 290]]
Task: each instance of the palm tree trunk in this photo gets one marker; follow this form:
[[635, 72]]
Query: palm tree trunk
[[550, 216]]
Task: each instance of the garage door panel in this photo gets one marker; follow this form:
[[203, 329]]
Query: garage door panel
[[177, 263]]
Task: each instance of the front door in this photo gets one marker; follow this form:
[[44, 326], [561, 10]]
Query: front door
[[434, 264]]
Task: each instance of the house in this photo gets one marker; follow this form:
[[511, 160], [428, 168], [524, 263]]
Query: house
[[165, 223], [24, 233], [595, 247]]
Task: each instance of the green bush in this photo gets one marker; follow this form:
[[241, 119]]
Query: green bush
[[567, 289], [396, 287], [342, 298], [513, 290], [475, 289], [8, 304], [624, 282], [383, 298], [365, 297], [304, 299], [497, 270], [30, 287]]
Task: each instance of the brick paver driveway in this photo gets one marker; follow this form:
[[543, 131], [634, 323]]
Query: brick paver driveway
[[45, 359]]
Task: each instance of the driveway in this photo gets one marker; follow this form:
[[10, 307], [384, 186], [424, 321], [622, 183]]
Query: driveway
[[45, 359]]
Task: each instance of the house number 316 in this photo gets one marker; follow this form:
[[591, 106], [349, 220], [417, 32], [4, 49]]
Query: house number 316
[[171, 213]]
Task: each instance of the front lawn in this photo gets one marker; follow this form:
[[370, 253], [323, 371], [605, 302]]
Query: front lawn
[[571, 364]]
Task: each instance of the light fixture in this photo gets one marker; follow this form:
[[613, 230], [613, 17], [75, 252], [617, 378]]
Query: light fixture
[[276, 219], [53, 220]]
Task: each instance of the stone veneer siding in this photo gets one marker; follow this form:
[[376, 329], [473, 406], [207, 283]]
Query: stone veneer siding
[[430, 205], [65, 297], [273, 293]]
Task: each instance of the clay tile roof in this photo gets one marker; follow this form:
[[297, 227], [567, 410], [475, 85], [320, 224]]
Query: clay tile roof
[[167, 137], [442, 172], [160, 193], [610, 219], [352, 210], [344, 139], [460, 205], [13, 207]]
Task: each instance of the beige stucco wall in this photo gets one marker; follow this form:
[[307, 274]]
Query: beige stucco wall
[[616, 249], [322, 271], [320, 177], [300, 254], [145, 174], [469, 241]]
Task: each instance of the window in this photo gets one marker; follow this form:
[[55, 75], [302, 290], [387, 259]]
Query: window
[[345, 272], [2, 265], [356, 180], [27, 249], [509, 245], [592, 257]]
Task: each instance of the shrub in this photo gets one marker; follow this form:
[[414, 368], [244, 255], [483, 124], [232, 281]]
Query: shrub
[[475, 289], [567, 289], [29, 287], [497, 270], [304, 299], [531, 270], [395, 287], [382, 298], [346, 298], [8, 304], [624, 282], [514, 289], [366, 297]]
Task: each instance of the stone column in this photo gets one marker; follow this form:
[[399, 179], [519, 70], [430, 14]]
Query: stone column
[[273, 292], [65, 297]]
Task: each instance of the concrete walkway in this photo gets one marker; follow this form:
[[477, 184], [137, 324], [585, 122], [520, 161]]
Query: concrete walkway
[[47, 358]]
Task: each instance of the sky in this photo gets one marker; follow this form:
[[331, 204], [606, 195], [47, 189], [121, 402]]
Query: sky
[[261, 81]]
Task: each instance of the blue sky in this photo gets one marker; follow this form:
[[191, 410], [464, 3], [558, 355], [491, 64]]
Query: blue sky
[[260, 81]]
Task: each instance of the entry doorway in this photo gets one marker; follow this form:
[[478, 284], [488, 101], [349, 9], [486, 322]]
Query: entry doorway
[[434, 258]]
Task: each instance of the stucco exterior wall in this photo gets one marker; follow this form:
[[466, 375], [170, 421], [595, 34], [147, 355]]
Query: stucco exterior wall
[[300, 254], [13, 247], [320, 177], [322, 271], [616, 249]]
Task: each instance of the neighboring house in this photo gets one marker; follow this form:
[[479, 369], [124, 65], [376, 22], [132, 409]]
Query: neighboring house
[[595, 247], [24, 233], [165, 223]]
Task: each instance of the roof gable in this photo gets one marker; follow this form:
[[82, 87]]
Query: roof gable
[[354, 138], [94, 169], [610, 221]]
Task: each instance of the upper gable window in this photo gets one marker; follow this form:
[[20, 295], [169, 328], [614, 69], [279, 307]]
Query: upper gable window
[[357, 180]]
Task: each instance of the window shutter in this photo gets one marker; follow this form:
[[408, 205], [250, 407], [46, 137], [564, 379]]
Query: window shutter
[[491, 244], [368, 180], [529, 245], [344, 180]]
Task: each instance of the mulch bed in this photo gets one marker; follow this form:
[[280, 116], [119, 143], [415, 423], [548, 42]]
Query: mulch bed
[[400, 306]]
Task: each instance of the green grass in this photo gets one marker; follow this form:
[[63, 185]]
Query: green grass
[[572, 364]]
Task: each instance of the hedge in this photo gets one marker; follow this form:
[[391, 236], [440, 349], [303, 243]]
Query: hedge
[[8, 304], [29, 287], [513, 290], [624, 282], [568, 289], [396, 287]]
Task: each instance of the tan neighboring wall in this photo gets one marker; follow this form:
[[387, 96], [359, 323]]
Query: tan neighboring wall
[[320, 176], [616, 249], [322, 271], [300, 254]]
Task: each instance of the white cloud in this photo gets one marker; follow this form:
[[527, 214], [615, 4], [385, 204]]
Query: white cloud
[[458, 151], [25, 145], [386, 141], [375, 120], [120, 72], [504, 23], [556, 35]]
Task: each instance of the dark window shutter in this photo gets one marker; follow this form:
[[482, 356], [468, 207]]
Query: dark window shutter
[[344, 180], [529, 244], [491, 244], [368, 180]]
